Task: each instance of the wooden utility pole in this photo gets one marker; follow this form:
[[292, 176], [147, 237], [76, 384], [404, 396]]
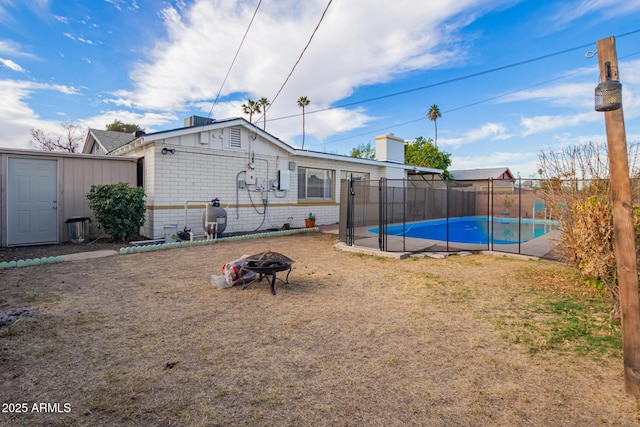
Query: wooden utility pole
[[625, 249]]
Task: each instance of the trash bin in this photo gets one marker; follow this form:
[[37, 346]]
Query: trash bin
[[170, 233], [78, 227]]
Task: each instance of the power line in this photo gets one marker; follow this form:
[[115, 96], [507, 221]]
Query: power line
[[234, 59], [454, 80], [299, 58], [452, 110], [440, 83], [472, 104]]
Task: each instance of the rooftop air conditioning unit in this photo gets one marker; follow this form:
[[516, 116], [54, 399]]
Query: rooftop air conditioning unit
[[197, 121]]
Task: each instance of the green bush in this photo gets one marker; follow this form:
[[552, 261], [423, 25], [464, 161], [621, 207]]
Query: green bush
[[118, 208]]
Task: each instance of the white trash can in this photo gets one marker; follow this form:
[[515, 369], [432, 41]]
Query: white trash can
[[170, 233]]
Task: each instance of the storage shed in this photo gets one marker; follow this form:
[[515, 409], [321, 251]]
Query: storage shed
[[40, 190]]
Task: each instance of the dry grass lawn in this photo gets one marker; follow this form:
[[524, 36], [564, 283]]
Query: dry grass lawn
[[352, 340]]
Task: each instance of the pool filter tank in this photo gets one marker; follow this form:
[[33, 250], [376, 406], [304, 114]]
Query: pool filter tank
[[214, 214]]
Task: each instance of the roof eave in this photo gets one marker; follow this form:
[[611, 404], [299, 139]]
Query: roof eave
[[378, 163]]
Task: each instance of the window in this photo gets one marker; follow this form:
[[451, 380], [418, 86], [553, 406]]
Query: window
[[357, 176], [315, 184]]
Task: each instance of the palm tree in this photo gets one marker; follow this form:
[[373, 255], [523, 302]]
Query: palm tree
[[303, 101], [250, 107], [264, 103], [433, 115]]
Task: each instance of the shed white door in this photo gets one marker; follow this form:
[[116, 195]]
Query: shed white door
[[32, 201]]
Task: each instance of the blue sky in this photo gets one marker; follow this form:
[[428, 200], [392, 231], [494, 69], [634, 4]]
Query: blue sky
[[156, 62]]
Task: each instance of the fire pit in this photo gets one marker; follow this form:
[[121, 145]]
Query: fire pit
[[268, 264]]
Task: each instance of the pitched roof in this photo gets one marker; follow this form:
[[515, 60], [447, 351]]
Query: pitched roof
[[240, 121], [482, 173], [110, 140]]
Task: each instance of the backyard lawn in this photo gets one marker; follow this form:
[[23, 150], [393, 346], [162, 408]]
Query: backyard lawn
[[352, 340]]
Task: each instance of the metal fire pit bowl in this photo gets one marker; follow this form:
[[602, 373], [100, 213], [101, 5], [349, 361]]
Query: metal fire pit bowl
[[268, 264]]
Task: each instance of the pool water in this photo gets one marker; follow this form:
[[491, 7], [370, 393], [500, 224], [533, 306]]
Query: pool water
[[474, 230]]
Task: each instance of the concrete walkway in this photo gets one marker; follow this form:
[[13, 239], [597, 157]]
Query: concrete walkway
[[88, 255]]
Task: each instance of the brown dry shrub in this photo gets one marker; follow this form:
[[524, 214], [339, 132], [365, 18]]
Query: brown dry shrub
[[591, 243], [575, 182]]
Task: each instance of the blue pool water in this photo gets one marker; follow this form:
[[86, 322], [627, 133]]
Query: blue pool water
[[474, 230]]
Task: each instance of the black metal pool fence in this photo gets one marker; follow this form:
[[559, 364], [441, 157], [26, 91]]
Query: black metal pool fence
[[421, 214]]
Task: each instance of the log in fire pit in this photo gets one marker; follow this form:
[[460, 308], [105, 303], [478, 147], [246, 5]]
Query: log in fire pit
[[268, 264]]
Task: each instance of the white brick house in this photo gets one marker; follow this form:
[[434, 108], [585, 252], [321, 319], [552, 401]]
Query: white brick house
[[260, 180]]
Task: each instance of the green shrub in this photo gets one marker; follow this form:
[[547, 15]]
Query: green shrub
[[118, 208]]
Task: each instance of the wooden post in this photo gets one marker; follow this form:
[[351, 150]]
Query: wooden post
[[625, 249]]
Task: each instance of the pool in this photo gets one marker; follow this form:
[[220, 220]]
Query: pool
[[474, 230]]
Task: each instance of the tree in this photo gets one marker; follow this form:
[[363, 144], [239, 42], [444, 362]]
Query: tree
[[74, 135], [433, 115], [264, 103], [364, 151], [422, 152], [303, 101], [251, 107], [118, 126]]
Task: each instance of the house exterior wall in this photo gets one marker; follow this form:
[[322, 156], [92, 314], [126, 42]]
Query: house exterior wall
[[204, 166], [394, 173], [76, 174]]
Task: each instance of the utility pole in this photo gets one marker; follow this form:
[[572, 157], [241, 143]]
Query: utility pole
[[625, 249]]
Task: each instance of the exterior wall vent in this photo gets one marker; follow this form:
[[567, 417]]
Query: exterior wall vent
[[234, 138]]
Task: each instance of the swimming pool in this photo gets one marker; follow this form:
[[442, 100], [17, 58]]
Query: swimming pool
[[474, 230]]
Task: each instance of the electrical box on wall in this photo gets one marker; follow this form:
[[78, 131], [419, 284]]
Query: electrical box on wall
[[251, 177], [260, 184], [284, 179]]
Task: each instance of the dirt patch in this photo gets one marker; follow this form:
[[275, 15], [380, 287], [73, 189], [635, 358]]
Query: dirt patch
[[145, 339]]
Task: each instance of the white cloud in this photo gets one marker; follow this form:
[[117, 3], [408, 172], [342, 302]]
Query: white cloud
[[578, 91], [83, 40], [39, 7], [11, 48], [539, 124], [488, 131], [11, 65], [144, 120], [574, 95], [601, 10], [80, 39], [17, 117], [123, 4], [354, 46]]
